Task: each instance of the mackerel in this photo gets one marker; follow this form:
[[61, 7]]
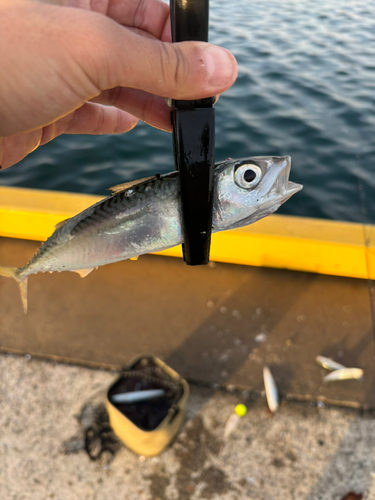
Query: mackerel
[[145, 216]]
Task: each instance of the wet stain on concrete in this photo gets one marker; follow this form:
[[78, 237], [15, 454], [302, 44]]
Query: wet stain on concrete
[[291, 456], [352, 496], [278, 462], [158, 485], [215, 482], [193, 446], [193, 449]]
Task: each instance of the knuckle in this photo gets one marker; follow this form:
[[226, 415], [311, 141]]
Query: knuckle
[[165, 62], [139, 13], [100, 119], [118, 126], [114, 95], [147, 107], [174, 67]]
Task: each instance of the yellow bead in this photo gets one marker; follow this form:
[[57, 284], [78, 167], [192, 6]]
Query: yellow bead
[[240, 410]]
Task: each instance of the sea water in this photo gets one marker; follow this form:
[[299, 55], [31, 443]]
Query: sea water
[[306, 88]]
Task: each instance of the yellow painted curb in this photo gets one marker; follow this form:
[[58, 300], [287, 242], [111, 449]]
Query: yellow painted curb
[[296, 243]]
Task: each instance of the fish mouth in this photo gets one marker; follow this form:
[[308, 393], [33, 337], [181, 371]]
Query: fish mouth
[[293, 188], [283, 188]]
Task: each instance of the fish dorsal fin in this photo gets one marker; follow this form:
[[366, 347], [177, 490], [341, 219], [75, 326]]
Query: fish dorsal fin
[[61, 223], [127, 185], [84, 272]]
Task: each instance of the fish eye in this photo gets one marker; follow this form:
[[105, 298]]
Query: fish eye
[[247, 175]]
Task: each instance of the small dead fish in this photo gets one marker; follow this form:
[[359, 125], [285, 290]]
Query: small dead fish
[[137, 396], [344, 374], [145, 216], [272, 394], [328, 363], [231, 424]]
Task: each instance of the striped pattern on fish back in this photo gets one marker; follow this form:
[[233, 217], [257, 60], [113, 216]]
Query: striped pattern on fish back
[[157, 187], [129, 199]]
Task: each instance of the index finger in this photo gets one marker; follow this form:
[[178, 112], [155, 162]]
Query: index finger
[[148, 15]]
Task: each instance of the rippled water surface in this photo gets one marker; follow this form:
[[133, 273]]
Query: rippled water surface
[[306, 88]]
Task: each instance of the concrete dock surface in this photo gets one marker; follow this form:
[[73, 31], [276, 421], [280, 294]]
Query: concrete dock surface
[[304, 451], [217, 326]]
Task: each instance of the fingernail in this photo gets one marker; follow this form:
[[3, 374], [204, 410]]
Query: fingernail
[[219, 64]]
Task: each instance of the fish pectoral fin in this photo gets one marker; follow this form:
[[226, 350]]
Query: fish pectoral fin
[[127, 185], [134, 258], [61, 223], [84, 272]]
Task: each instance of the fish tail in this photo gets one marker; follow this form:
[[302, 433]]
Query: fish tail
[[11, 272]]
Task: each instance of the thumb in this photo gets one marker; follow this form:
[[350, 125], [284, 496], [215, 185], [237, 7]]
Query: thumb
[[187, 70]]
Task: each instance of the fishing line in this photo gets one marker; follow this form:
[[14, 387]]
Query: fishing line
[[367, 243]]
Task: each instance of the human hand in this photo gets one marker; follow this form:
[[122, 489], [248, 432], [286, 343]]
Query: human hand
[[95, 67]]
